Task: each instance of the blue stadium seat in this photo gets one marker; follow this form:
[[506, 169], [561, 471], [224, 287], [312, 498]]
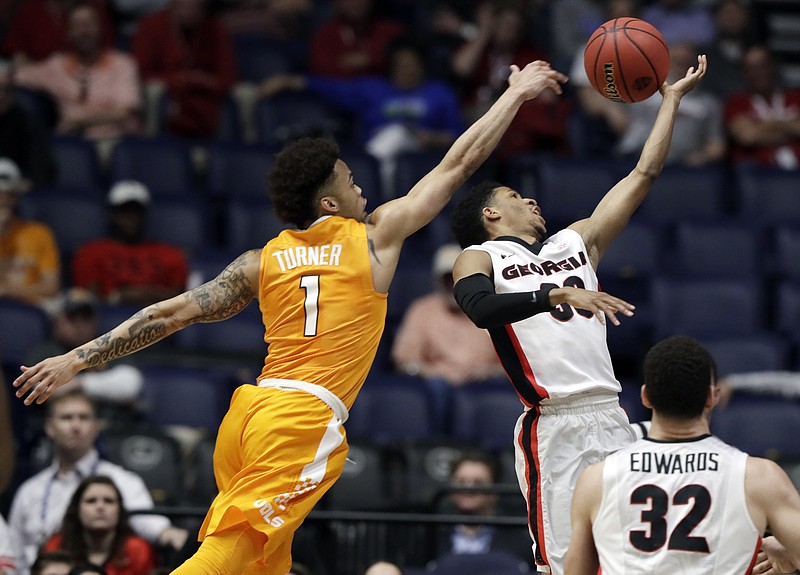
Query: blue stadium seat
[[366, 174], [258, 59], [680, 193], [164, 165], [154, 456], [718, 248], [569, 189], [249, 224], [229, 123], [242, 334], [77, 166], [184, 396], [409, 284], [370, 480], [760, 426], [22, 328], [485, 414], [706, 307], [768, 196], [73, 220], [391, 408], [412, 166], [787, 247], [183, 222], [287, 116], [787, 309], [202, 486], [758, 352], [239, 171]]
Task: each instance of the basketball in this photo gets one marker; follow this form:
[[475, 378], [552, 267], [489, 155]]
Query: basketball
[[626, 60]]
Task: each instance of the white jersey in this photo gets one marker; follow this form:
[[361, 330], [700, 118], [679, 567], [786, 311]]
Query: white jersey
[[675, 507], [556, 354]]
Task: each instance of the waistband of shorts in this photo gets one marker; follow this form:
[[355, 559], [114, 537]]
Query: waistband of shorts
[[325, 395], [583, 403]]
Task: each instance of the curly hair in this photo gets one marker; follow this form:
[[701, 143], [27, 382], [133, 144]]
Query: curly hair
[[678, 372], [467, 218], [300, 171], [72, 529]]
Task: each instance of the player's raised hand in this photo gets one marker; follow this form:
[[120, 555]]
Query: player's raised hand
[[41, 380], [536, 77], [690, 80], [601, 304]]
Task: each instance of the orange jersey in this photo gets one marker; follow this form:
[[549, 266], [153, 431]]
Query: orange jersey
[[322, 315]]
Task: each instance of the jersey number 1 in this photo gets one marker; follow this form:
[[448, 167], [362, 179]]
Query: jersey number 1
[[310, 285]]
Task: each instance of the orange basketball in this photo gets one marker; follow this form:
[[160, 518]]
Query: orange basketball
[[626, 60]]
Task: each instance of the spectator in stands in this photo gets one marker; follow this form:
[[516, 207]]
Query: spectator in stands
[[437, 340], [125, 267], [29, 259], [681, 21], [52, 563], [23, 138], [353, 42], [279, 20], [763, 121], [734, 32], [39, 28], [96, 530], [572, 22], [8, 549], [478, 469], [96, 88], [75, 321], [698, 138], [40, 503], [402, 112], [187, 51], [481, 64], [599, 121]]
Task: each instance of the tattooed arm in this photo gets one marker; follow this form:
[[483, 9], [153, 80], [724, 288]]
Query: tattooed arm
[[225, 296]]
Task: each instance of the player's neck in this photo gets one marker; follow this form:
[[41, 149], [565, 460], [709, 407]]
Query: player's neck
[[668, 429]]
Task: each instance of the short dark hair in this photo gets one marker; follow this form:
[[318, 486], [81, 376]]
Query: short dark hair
[[72, 394], [467, 218], [678, 372], [301, 170], [477, 456]]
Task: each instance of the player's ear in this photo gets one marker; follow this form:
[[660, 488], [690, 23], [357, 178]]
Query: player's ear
[[714, 395], [329, 205], [645, 399], [490, 213]]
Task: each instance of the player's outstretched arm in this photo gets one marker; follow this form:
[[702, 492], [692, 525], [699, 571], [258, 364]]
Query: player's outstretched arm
[[582, 556], [616, 208], [225, 296], [398, 219]]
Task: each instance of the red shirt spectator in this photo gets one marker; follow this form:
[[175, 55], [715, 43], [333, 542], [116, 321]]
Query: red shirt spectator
[[192, 53], [39, 28], [140, 559], [126, 268], [353, 43], [482, 64], [764, 121]]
